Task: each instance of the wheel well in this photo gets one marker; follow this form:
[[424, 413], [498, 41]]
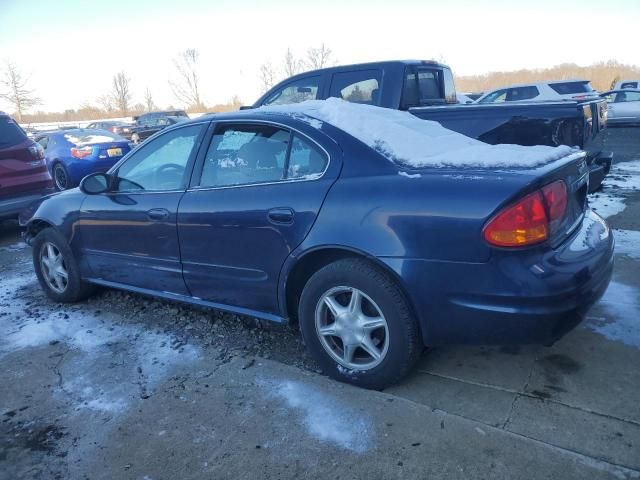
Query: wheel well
[[314, 261], [34, 228]]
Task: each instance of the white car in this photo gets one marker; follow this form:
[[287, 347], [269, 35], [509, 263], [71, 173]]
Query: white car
[[542, 92], [624, 106], [634, 84]]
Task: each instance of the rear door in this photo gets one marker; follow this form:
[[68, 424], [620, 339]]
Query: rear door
[[257, 195], [23, 170], [129, 235]]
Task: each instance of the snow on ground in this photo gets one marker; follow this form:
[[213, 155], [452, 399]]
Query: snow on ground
[[91, 340], [623, 179], [325, 417], [407, 139], [627, 243], [623, 302]]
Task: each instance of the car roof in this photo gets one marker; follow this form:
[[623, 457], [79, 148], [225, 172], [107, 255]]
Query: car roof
[[537, 84], [621, 90]]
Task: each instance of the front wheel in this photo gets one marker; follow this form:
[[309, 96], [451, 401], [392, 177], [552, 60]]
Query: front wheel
[[57, 269], [357, 324]]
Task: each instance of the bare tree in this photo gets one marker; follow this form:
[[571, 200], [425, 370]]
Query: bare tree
[[186, 87], [318, 57], [106, 103], [121, 92], [13, 88], [292, 65], [148, 101], [267, 76]]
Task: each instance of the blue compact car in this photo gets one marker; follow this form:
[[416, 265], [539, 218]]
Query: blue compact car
[[284, 216], [73, 154]]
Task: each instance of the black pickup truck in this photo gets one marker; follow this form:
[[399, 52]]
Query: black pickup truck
[[427, 90]]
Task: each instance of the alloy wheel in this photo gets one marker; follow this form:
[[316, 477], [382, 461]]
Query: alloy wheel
[[60, 177], [54, 269], [351, 328]]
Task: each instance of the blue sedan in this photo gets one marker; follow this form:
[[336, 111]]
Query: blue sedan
[[73, 154], [378, 232]]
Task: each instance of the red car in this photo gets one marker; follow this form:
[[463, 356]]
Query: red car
[[24, 176]]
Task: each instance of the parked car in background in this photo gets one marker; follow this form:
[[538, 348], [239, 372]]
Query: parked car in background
[[379, 232], [152, 122], [624, 107], [73, 154], [24, 176], [426, 89], [114, 126], [463, 98], [634, 84], [541, 92], [143, 131]]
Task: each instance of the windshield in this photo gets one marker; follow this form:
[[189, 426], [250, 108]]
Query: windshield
[[10, 132]]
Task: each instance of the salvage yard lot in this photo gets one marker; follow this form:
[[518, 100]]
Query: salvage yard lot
[[123, 386]]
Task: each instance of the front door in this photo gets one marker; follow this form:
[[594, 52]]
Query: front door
[[259, 192], [129, 234]]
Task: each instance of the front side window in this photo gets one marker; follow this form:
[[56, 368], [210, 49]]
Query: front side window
[[159, 164], [622, 97], [295, 92], [449, 86], [358, 87], [499, 96]]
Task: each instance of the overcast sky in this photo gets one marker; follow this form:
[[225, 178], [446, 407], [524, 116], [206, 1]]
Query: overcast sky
[[72, 48]]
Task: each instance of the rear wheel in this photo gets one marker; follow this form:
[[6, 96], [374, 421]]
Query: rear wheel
[[57, 269], [60, 177], [357, 324]]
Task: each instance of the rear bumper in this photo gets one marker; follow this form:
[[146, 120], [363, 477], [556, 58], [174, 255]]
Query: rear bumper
[[11, 207], [81, 168], [532, 296]]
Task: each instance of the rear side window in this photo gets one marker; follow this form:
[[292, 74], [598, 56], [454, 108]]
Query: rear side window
[[568, 88], [522, 93], [361, 86], [295, 92], [10, 133], [254, 154]]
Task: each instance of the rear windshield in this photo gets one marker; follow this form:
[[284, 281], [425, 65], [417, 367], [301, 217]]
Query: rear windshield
[[629, 85], [427, 87], [89, 137], [567, 88], [10, 133]]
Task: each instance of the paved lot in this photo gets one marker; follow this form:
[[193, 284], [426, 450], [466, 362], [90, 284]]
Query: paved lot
[[122, 386]]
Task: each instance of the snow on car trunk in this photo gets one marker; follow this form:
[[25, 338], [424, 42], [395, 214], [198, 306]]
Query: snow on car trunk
[[406, 139]]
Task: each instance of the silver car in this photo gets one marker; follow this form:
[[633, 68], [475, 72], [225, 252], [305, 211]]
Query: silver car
[[624, 106]]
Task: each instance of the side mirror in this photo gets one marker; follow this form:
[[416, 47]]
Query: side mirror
[[95, 183]]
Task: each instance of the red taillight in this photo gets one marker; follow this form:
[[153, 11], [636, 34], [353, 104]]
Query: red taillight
[[530, 220], [113, 129], [81, 152], [37, 151]]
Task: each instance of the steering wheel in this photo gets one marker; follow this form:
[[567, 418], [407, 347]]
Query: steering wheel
[[179, 169]]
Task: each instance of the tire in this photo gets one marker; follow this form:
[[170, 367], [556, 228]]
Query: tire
[[61, 177], [50, 243], [397, 343]]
